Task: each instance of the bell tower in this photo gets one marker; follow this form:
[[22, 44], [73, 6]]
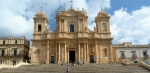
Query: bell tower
[[102, 22], [40, 23]]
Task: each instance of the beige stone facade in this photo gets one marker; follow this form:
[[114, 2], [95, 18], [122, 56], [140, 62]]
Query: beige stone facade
[[71, 40], [14, 50], [132, 54]]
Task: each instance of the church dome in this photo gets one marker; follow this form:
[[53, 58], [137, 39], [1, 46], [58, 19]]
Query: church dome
[[41, 14], [102, 13]]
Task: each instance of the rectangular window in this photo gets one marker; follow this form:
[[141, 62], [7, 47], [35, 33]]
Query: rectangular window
[[39, 27], [15, 52], [15, 41], [3, 53], [122, 54], [144, 53], [133, 53], [71, 28], [1, 62], [3, 41], [104, 27]]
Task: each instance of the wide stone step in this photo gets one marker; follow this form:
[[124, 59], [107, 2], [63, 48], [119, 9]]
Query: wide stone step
[[86, 68]]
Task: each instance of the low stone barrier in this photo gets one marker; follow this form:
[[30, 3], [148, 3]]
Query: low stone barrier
[[16, 66], [125, 63], [144, 65]]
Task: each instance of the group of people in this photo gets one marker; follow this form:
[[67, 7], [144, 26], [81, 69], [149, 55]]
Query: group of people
[[73, 64]]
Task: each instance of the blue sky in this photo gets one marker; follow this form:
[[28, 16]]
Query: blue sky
[[129, 18], [131, 5]]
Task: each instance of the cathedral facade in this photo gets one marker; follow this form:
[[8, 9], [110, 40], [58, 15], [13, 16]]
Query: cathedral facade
[[72, 40]]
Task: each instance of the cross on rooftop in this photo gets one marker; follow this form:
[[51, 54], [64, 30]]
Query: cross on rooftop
[[101, 7], [71, 3]]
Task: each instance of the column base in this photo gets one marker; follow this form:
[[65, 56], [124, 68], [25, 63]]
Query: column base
[[65, 62], [96, 61], [47, 62], [86, 62], [111, 62], [59, 62]]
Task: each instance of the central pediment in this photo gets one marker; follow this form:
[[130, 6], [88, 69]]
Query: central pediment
[[72, 12]]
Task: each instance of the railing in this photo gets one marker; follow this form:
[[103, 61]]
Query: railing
[[134, 56], [9, 55], [146, 56]]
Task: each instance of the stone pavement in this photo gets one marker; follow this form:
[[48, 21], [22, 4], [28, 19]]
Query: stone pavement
[[86, 68]]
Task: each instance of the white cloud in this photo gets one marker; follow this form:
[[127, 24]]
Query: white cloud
[[17, 16], [131, 27]]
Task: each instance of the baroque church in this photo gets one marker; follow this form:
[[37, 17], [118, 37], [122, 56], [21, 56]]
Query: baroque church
[[72, 40]]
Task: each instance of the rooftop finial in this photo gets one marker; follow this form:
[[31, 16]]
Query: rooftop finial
[[101, 8], [41, 8], [71, 3]]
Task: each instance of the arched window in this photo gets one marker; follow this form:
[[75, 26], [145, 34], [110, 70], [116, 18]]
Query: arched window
[[71, 28], [39, 27], [105, 52], [104, 26]]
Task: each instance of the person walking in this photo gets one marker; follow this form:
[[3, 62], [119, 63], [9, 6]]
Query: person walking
[[67, 69]]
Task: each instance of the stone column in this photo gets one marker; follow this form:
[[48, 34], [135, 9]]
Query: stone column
[[83, 28], [84, 52], [59, 53], [48, 54], [78, 51], [98, 26], [56, 53], [87, 56], [96, 51], [59, 25], [81, 24], [78, 25], [64, 25], [65, 54], [111, 54]]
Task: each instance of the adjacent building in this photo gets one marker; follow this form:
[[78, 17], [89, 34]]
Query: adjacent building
[[72, 40], [14, 50], [131, 53]]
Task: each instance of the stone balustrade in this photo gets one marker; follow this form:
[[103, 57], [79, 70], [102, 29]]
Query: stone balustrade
[[16, 66], [144, 65]]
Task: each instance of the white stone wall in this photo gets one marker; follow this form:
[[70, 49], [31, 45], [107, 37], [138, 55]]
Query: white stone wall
[[128, 51]]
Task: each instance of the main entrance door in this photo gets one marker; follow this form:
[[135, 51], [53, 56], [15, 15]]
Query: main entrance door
[[91, 58], [71, 56], [52, 59]]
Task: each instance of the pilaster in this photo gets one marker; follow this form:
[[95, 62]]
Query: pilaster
[[78, 51]]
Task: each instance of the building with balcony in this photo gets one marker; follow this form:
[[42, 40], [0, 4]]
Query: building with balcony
[[14, 50], [131, 53]]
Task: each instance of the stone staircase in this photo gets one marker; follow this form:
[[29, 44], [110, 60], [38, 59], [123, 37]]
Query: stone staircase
[[86, 68]]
